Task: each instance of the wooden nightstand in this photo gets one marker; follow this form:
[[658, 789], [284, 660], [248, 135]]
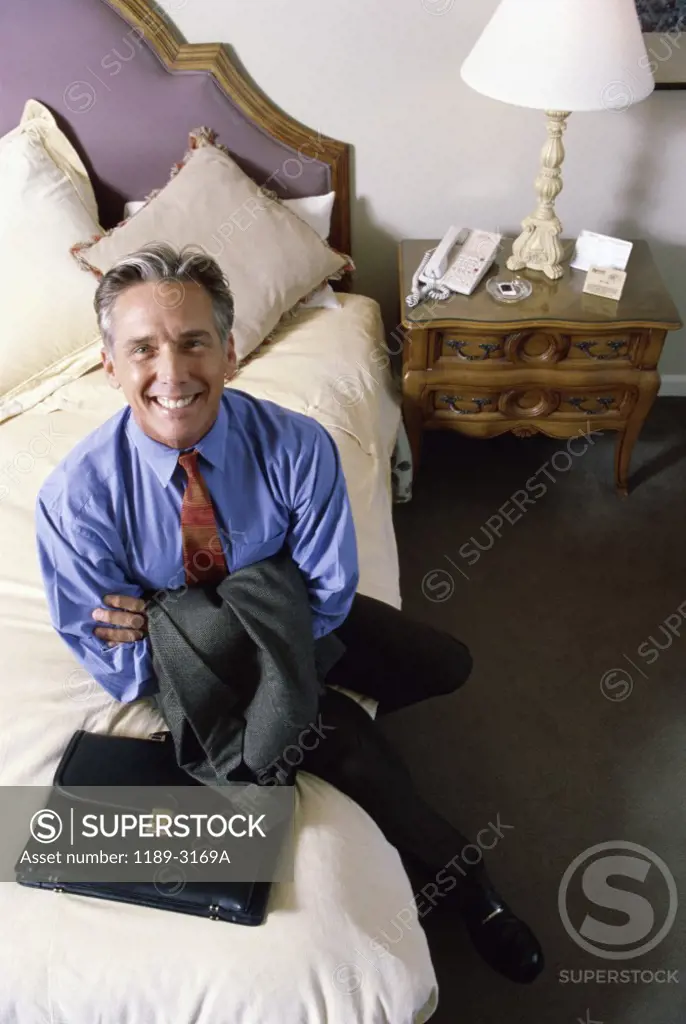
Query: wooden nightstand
[[555, 363]]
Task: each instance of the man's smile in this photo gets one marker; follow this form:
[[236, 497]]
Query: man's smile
[[175, 407]]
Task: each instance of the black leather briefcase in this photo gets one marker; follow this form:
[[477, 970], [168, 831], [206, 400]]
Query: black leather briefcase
[[95, 760]]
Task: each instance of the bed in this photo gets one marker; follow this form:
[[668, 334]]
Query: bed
[[316, 958]]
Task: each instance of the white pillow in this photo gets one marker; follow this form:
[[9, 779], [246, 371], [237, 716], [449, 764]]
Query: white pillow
[[48, 328], [315, 211], [132, 208]]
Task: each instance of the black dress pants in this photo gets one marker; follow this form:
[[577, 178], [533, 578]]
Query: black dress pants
[[399, 662]]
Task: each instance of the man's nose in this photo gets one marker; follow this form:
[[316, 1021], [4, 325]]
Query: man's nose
[[171, 366]]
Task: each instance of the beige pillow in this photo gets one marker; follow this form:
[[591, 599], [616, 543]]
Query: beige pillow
[[48, 328], [40, 121], [271, 257]]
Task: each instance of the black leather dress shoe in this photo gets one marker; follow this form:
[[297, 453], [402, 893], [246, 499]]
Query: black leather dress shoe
[[506, 944]]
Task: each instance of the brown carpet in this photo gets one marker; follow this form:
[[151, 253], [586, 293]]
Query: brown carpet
[[568, 592]]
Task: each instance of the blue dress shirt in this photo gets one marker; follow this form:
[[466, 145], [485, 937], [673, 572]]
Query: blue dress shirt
[[108, 522]]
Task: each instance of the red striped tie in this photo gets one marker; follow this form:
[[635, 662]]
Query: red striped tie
[[203, 555]]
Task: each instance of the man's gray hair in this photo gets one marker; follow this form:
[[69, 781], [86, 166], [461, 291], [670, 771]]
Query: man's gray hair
[[161, 263]]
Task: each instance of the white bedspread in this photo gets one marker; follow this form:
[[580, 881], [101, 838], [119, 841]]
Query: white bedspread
[[73, 960]]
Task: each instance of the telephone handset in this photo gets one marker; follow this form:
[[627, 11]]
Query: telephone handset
[[457, 264]]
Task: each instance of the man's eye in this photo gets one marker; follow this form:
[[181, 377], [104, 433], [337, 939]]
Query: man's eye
[[141, 350], [193, 342]]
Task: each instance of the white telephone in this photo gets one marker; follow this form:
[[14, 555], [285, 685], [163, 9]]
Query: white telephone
[[443, 271]]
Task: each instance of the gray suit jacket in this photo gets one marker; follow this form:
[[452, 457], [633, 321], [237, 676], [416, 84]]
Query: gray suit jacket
[[239, 673]]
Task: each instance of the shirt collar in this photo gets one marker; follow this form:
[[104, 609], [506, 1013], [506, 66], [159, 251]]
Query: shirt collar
[[164, 460]]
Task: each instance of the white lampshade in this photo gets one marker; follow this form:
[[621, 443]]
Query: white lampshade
[[562, 55]]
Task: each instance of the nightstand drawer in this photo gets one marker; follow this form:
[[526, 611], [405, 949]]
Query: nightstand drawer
[[605, 349], [448, 349], [613, 402], [536, 348]]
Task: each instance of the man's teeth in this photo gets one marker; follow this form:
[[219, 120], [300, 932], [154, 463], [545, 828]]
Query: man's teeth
[[175, 403]]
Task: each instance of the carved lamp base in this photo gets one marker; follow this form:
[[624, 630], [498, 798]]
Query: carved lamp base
[[539, 246]]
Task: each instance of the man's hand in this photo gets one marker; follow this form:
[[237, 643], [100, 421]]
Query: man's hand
[[125, 625]]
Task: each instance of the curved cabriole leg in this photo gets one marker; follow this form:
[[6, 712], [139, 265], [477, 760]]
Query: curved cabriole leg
[[648, 390], [625, 446]]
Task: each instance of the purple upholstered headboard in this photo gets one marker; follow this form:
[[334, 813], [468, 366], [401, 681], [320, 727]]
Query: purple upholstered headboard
[[127, 90]]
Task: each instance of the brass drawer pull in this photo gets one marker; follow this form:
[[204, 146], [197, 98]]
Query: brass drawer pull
[[486, 347], [587, 348], [604, 403], [480, 404]]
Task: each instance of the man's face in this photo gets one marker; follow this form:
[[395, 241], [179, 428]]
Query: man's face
[[165, 350]]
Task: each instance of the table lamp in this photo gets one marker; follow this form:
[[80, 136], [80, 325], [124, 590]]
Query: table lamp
[[558, 56]]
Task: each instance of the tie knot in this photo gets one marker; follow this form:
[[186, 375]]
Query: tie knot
[[189, 462]]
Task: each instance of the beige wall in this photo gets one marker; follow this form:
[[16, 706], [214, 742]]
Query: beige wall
[[384, 76]]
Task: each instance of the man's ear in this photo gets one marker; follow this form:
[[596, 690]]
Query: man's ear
[[108, 364], [230, 359]]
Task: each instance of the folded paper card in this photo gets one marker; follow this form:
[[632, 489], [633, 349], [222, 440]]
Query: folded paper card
[[593, 250], [605, 281]]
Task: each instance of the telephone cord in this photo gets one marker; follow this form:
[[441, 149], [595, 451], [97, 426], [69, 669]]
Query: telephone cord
[[437, 292]]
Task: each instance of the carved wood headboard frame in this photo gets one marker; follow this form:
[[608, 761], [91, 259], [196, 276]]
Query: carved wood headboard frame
[[178, 55]]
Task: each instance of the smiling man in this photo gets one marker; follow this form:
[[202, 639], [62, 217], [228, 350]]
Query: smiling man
[[192, 481], [109, 516]]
